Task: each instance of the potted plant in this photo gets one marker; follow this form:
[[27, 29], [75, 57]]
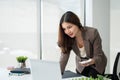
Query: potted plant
[[21, 60]]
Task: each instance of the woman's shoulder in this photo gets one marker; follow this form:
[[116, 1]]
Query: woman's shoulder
[[90, 32], [90, 29]]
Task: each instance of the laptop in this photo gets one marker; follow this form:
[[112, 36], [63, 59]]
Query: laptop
[[45, 70]]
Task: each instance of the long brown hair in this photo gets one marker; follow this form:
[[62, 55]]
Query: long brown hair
[[64, 41]]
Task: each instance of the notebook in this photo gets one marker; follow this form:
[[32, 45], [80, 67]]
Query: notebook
[[45, 70], [21, 70]]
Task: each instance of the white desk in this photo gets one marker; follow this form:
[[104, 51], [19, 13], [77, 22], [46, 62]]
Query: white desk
[[4, 75]]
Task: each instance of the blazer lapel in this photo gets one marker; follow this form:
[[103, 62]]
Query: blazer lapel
[[86, 43], [87, 47], [75, 49]]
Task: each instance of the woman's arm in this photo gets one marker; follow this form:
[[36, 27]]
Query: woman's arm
[[99, 57], [63, 61]]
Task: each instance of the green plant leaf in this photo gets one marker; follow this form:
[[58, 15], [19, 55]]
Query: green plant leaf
[[21, 59]]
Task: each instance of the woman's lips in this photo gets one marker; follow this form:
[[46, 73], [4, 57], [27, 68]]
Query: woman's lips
[[71, 34]]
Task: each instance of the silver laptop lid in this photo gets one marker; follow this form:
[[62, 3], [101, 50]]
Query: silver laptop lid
[[45, 70]]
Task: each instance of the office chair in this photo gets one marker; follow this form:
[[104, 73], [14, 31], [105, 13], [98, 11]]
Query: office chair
[[116, 69]]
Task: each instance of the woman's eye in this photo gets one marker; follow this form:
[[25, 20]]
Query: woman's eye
[[69, 27]]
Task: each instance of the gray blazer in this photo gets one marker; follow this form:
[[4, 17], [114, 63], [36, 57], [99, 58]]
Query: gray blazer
[[93, 47]]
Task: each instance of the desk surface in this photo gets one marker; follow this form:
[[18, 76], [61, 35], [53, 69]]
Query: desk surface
[[4, 75], [68, 75]]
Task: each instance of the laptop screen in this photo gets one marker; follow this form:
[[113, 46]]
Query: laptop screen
[[45, 70]]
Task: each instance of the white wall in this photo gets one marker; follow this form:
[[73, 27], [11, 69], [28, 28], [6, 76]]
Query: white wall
[[114, 31], [101, 20]]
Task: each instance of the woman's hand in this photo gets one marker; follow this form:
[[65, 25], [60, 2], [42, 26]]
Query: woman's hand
[[87, 62]]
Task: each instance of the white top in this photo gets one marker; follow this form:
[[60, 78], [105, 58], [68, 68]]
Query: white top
[[82, 52]]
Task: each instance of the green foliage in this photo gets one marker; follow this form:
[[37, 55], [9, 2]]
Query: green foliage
[[99, 77], [21, 59]]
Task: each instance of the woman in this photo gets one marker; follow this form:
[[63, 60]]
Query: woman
[[86, 44]]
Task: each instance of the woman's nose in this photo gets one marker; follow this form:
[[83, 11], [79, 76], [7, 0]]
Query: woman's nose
[[68, 31]]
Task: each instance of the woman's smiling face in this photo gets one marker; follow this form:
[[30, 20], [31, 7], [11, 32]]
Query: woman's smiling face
[[70, 29]]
